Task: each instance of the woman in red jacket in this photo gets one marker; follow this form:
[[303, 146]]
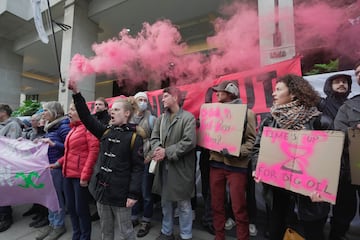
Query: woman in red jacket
[[81, 151]]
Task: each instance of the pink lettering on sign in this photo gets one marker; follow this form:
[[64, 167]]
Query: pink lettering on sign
[[223, 128], [292, 171], [215, 143]]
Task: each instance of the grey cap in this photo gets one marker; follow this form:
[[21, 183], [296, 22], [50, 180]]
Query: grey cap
[[227, 86]]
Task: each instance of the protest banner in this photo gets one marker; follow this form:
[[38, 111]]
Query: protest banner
[[221, 127], [302, 161], [24, 174], [354, 154]]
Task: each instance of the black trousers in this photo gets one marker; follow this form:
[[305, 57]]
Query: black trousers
[[282, 209], [344, 210]]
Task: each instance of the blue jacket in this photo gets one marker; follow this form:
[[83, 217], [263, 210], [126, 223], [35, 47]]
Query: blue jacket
[[57, 131]]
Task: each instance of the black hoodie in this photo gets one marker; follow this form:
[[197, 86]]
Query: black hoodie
[[330, 105]]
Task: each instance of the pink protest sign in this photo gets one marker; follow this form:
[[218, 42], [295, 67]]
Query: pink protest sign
[[302, 161], [221, 126], [354, 155]]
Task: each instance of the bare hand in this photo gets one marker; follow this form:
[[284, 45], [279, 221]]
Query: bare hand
[[256, 179], [147, 159], [48, 141], [53, 165], [130, 202], [358, 125], [84, 183], [159, 154], [316, 197], [73, 86]]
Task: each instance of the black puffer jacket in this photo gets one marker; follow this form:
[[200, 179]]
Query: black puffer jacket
[[119, 168], [307, 210]]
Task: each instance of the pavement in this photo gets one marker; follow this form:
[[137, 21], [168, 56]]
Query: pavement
[[20, 230]]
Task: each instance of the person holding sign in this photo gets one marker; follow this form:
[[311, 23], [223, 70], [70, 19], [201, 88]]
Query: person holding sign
[[173, 142], [294, 107], [231, 170], [344, 210]]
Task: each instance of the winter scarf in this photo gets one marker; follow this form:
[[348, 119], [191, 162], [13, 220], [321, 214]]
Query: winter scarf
[[293, 115]]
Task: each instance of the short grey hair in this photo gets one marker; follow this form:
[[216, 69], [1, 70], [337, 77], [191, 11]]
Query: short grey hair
[[55, 109]]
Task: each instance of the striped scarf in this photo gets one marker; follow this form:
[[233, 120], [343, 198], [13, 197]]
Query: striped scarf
[[293, 115]]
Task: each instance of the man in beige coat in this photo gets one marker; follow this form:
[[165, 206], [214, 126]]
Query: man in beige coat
[[173, 141]]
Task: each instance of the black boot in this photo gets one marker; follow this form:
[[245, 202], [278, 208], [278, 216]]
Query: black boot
[[33, 210], [5, 222]]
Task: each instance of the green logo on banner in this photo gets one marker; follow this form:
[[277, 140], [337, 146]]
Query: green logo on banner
[[28, 180]]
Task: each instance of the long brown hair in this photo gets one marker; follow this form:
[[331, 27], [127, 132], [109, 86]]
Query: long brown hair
[[301, 89]]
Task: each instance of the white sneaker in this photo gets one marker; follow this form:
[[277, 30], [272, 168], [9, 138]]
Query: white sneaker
[[253, 230], [229, 224]]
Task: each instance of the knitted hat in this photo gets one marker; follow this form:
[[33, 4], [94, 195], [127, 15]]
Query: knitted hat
[[141, 94]]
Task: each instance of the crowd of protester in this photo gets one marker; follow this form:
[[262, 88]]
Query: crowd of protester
[[122, 157]]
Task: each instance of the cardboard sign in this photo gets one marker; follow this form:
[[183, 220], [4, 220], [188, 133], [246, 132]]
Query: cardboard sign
[[354, 155], [302, 161], [222, 126]]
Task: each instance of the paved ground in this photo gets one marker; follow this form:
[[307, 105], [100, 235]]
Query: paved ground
[[21, 231]]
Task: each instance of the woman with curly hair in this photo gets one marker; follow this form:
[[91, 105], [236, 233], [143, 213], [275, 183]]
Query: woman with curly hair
[[294, 107]]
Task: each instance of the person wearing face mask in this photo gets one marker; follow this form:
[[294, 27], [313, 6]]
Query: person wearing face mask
[[144, 119]]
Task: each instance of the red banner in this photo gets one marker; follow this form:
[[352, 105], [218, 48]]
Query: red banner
[[255, 88]]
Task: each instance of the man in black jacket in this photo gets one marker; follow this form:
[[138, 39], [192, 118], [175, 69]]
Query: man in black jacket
[[337, 89], [101, 110], [344, 211]]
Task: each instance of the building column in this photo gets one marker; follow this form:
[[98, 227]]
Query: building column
[[78, 39], [10, 74], [276, 30]]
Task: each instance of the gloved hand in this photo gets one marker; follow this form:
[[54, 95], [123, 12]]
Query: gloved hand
[[225, 153]]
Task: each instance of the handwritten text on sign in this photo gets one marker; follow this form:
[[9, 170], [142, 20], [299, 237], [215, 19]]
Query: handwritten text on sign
[[301, 161], [221, 127]]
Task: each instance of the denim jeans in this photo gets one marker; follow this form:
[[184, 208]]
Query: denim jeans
[[77, 204], [185, 218], [147, 200], [56, 219]]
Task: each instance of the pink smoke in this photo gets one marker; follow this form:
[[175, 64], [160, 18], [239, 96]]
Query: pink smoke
[[157, 52], [236, 40], [322, 25]]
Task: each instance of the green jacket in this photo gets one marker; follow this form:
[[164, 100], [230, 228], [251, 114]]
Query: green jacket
[[175, 176]]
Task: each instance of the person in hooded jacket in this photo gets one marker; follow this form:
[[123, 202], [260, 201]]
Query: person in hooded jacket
[[81, 151], [344, 210], [231, 170], [337, 89], [294, 108]]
